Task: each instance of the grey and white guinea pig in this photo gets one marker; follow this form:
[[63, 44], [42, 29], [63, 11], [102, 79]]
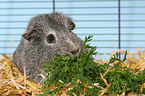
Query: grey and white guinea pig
[[46, 36]]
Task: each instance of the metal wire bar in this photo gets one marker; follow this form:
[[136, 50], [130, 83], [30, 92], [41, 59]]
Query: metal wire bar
[[21, 8], [119, 27], [86, 14], [78, 27], [53, 5], [81, 21], [43, 1]]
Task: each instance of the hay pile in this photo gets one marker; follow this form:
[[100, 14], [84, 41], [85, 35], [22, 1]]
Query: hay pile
[[135, 61], [13, 82]]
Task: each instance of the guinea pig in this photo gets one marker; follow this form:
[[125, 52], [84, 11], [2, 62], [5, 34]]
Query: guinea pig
[[46, 36]]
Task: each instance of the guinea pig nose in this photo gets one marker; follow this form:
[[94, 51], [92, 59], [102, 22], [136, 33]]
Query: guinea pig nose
[[75, 51]]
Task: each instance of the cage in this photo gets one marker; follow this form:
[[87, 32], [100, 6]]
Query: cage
[[118, 22]]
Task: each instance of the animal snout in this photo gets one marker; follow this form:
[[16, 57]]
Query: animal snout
[[75, 52]]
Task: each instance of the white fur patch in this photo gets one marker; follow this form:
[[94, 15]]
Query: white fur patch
[[71, 43]]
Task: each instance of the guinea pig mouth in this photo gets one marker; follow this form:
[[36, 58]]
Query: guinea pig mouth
[[75, 52], [69, 52]]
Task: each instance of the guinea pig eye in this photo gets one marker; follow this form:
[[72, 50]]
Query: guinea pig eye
[[51, 38]]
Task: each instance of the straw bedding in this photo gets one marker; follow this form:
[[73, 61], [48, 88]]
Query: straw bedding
[[15, 83]]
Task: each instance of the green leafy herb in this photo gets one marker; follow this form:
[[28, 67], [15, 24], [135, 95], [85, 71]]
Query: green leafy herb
[[81, 74]]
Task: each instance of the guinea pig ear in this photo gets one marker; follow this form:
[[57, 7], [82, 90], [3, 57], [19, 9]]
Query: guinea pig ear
[[71, 25], [30, 35]]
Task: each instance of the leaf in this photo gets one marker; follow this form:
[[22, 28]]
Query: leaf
[[66, 58]]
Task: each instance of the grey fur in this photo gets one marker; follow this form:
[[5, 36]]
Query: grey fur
[[34, 49]]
